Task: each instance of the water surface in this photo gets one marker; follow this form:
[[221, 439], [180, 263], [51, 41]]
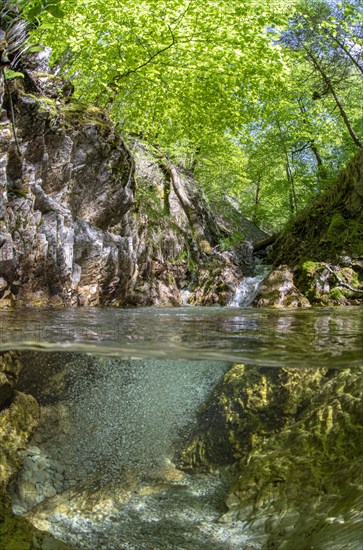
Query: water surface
[[264, 337], [119, 391]]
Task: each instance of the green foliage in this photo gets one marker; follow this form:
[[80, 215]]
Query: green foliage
[[9, 74], [231, 90], [35, 9]]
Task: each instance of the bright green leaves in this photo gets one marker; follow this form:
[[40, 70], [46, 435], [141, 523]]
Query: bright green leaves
[[211, 84], [10, 74], [170, 67]]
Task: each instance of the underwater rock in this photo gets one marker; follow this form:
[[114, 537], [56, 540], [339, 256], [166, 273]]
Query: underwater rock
[[293, 440], [19, 415], [246, 407]]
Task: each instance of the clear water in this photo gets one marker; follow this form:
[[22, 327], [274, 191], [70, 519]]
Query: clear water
[[120, 390], [261, 337]]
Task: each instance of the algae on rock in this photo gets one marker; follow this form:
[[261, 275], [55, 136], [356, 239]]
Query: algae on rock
[[19, 415], [294, 439]]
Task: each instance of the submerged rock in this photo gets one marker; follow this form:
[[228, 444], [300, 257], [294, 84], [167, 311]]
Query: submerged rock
[[294, 439], [19, 415]]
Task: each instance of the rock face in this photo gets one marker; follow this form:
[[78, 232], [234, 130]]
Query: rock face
[[294, 437], [64, 195], [279, 290], [83, 221], [19, 415]]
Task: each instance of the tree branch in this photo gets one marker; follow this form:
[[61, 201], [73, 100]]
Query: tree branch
[[342, 283], [151, 58]]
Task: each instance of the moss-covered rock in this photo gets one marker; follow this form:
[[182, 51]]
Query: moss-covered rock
[[302, 487], [325, 284], [294, 437], [279, 290], [246, 407], [329, 230]]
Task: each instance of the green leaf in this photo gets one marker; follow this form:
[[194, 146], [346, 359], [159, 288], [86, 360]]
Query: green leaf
[[9, 74], [34, 49], [55, 10]]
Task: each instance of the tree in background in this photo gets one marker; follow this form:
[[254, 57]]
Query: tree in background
[[262, 106]]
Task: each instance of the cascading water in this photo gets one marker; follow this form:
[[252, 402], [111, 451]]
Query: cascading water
[[247, 291], [185, 295]]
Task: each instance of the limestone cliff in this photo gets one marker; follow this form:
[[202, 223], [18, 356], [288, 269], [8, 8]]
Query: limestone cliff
[[86, 221]]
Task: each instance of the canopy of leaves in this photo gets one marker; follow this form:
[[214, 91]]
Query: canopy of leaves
[[260, 99]]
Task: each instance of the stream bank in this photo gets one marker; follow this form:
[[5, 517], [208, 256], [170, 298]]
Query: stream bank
[[318, 256]]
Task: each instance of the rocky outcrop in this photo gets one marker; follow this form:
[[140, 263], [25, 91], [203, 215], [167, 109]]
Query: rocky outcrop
[[64, 194], [294, 439], [279, 290], [86, 221]]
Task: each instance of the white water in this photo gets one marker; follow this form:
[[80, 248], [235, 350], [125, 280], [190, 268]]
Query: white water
[[247, 291], [185, 295]]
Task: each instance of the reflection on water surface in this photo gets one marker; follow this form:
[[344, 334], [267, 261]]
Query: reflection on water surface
[[330, 336]]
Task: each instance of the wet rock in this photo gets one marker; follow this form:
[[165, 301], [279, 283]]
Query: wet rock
[[19, 415], [279, 290], [295, 439], [62, 202], [216, 280], [247, 406]]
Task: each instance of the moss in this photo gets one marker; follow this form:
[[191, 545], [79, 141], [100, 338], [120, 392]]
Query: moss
[[66, 115], [348, 275], [80, 113], [17, 533], [309, 267], [337, 295], [355, 232], [337, 227], [19, 193]]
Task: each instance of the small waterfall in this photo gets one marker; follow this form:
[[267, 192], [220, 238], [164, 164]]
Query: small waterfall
[[247, 290], [185, 295]]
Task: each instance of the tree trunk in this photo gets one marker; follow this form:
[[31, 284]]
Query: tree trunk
[[257, 199], [187, 206], [347, 52], [331, 89]]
